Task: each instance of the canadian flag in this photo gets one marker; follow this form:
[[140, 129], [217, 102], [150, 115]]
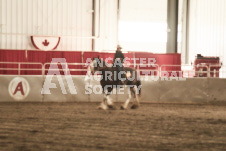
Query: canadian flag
[[45, 42]]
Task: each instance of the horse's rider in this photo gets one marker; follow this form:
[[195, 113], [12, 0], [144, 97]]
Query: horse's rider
[[118, 60]]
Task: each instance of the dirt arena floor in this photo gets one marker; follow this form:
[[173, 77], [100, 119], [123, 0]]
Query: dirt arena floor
[[80, 126]]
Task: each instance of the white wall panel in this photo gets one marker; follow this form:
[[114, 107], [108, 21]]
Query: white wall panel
[[71, 19], [207, 28], [108, 25]]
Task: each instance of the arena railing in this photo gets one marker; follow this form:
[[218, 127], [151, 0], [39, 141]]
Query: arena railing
[[143, 69], [187, 71], [200, 70], [217, 71], [19, 67], [83, 67], [148, 69]]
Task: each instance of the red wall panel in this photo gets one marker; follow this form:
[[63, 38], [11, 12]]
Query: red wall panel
[[79, 57]]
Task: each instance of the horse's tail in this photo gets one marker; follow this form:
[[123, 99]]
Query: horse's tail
[[138, 84]]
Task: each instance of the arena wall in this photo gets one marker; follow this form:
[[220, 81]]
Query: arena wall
[[189, 90], [81, 24]]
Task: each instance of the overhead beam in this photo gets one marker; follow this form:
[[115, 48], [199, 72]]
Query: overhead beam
[[172, 22]]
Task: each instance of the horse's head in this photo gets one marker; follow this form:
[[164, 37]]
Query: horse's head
[[97, 65]]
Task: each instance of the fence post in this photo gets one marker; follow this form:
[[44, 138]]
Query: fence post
[[208, 73], [18, 68]]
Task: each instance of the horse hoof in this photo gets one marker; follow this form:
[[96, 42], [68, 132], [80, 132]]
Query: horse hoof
[[134, 106], [112, 107], [101, 107], [122, 108]]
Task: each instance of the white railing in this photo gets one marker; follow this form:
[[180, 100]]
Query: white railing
[[19, 68], [148, 69], [163, 69], [187, 71], [66, 68], [200, 70], [217, 70]]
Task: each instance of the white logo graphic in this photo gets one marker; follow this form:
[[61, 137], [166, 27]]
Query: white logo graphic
[[54, 70], [19, 88]]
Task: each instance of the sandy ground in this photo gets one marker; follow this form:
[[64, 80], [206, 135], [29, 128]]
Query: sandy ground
[[80, 126]]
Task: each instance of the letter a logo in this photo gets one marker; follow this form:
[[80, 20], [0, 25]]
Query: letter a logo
[[19, 88]]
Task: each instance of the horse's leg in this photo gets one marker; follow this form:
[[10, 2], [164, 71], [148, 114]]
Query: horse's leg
[[110, 104], [103, 104], [125, 105], [135, 97], [106, 103]]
